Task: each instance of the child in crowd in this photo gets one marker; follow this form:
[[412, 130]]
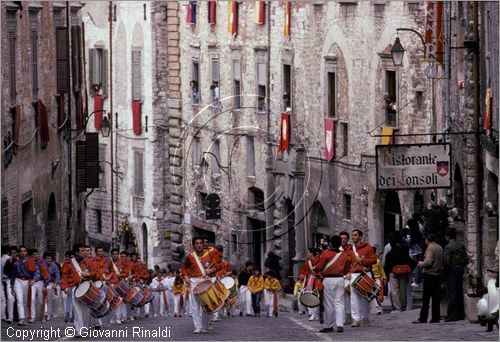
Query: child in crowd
[[299, 284], [256, 286], [271, 288]]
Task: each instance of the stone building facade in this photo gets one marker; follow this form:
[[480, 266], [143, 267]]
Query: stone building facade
[[336, 63], [41, 102], [474, 70], [139, 70]]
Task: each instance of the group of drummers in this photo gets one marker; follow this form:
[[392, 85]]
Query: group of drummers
[[102, 289], [339, 280]]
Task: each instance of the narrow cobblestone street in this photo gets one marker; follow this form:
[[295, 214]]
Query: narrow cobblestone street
[[287, 327]]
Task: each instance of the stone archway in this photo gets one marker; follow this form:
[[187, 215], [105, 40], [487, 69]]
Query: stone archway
[[51, 233], [319, 228]]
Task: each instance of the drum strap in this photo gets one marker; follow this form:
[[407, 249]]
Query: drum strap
[[331, 262], [115, 268], [310, 264], [354, 250], [198, 262], [77, 266]]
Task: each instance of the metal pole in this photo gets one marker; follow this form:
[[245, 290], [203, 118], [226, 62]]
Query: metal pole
[[111, 121], [68, 135]]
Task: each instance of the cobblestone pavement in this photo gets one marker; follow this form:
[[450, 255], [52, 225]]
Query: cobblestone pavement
[[287, 327]]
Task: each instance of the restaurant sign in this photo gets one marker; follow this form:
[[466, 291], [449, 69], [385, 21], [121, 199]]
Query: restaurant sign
[[419, 166]]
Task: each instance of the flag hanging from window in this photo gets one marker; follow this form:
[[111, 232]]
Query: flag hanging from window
[[259, 12], [434, 32], [284, 132], [487, 112], [387, 136], [329, 139], [98, 103], [136, 117], [232, 22], [212, 10], [191, 12], [288, 18]]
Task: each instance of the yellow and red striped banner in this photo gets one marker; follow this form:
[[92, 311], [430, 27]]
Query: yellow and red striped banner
[[259, 12], [288, 18], [232, 22]]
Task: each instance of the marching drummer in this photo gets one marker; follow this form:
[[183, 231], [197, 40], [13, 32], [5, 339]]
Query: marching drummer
[[305, 271], [333, 264], [72, 275], [197, 266], [223, 270], [362, 258], [346, 247]]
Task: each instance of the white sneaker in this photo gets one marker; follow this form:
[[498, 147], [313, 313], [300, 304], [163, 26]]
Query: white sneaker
[[204, 331], [313, 318], [118, 321], [414, 284], [197, 331], [210, 327]]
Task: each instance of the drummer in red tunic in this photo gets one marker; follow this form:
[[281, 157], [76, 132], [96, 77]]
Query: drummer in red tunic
[[305, 271], [362, 259], [197, 266]]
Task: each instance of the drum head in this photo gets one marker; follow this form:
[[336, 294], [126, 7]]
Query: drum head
[[213, 279], [202, 287], [98, 284], [82, 289], [228, 282], [309, 299]]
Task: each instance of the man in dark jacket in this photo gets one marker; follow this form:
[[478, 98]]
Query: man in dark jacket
[[399, 255], [454, 260]]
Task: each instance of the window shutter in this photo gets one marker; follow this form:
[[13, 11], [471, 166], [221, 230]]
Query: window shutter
[[81, 164], [92, 53], [34, 62], [236, 70], [215, 69], [138, 174], [104, 74], [261, 70], [62, 59], [76, 56], [12, 66], [136, 75], [92, 160]]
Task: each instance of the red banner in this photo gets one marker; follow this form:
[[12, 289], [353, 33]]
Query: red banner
[[44, 122], [136, 117], [232, 24], [329, 139], [260, 12], [98, 104], [434, 33], [284, 133], [212, 8], [487, 111]]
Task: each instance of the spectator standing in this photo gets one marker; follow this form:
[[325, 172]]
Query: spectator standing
[[455, 260]]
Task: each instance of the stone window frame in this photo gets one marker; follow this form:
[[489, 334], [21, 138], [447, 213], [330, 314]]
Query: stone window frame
[[236, 77], [136, 62], [331, 66], [196, 152], [34, 19], [138, 186], [250, 156], [345, 208], [214, 73], [261, 58], [215, 149], [11, 30], [388, 65], [287, 59], [102, 170], [195, 60], [344, 128]]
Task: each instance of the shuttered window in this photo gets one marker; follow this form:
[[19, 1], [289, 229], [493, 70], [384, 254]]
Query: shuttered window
[[136, 75], [237, 83], [34, 52], [215, 69], [261, 82], [11, 38], [138, 173], [250, 156], [62, 59], [196, 151], [216, 158], [102, 167], [76, 56], [98, 71]]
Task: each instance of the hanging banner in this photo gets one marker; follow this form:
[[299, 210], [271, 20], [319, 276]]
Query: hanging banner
[[284, 133], [434, 33], [487, 111], [212, 8], [232, 23], [191, 12], [329, 139], [259, 14], [288, 19], [406, 167]]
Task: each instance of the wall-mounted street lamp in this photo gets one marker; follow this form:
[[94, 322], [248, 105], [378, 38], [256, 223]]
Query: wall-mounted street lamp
[[397, 53], [105, 127]]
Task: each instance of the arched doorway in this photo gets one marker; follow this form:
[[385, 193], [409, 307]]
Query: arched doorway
[[145, 252], [318, 225], [289, 225], [51, 226], [393, 221]]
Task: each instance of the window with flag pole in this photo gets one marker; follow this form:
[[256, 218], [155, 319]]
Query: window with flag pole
[[232, 22], [191, 12], [260, 12]]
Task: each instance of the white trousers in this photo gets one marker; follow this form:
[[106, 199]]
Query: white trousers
[[8, 303], [269, 302], [360, 308], [52, 299], [21, 290], [177, 304], [302, 307], [334, 302], [245, 300], [81, 314], [313, 312], [200, 317]]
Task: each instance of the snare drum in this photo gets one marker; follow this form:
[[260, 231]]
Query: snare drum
[[220, 288], [366, 286], [310, 295], [347, 286], [230, 285], [210, 299], [90, 295], [122, 288], [111, 296], [134, 296], [147, 296], [101, 311]]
